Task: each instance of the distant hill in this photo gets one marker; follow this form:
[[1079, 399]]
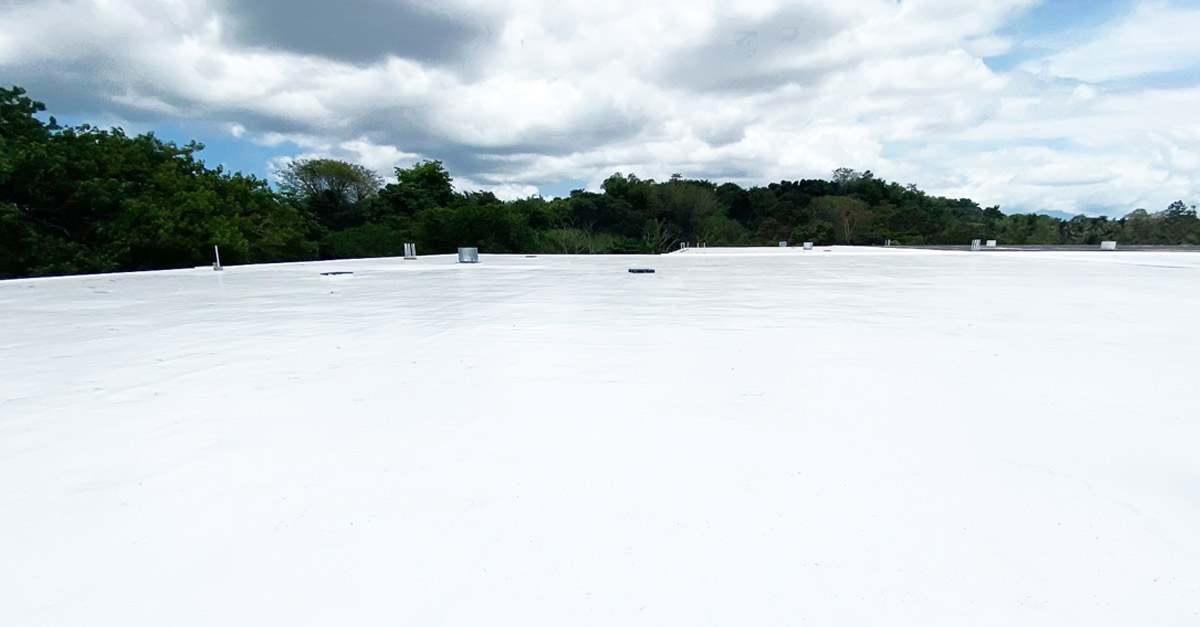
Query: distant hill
[[1061, 215]]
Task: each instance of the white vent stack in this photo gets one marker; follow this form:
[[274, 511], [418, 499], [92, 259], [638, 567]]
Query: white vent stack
[[217, 263], [410, 251], [468, 255], [1108, 245]]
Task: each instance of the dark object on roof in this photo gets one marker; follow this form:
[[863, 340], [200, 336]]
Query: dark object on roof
[[642, 270], [336, 273]]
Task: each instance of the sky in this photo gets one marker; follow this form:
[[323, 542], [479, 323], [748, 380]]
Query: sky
[[1079, 106]]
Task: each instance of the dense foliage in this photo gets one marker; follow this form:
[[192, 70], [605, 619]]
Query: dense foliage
[[82, 199]]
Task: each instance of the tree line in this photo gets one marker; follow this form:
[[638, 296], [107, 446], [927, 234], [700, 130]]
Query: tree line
[[78, 199]]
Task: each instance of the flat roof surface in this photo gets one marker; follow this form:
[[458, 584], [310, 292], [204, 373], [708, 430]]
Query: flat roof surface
[[843, 437]]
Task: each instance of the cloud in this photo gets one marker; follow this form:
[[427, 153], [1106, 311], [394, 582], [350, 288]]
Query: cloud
[[1155, 38], [517, 95], [752, 53], [355, 32]]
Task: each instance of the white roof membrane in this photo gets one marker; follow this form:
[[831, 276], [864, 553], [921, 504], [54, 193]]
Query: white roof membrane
[[854, 437]]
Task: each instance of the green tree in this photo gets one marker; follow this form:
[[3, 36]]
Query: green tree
[[659, 236], [685, 206], [846, 213], [349, 182], [1178, 224], [423, 186], [332, 193], [83, 199]]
